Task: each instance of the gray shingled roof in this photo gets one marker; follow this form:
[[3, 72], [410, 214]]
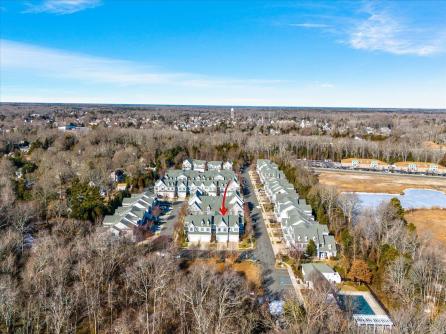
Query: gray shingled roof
[[199, 220]]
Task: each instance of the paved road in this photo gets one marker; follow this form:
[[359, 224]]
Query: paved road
[[168, 220], [276, 281]]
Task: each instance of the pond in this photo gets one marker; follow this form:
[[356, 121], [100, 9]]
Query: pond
[[410, 199]]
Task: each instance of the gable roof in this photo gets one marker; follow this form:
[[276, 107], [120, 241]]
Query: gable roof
[[199, 220]]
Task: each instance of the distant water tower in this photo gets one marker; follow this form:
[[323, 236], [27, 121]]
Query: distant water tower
[[232, 113]]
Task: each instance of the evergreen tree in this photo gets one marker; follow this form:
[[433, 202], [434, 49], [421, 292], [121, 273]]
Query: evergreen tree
[[311, 249], [85, 201]]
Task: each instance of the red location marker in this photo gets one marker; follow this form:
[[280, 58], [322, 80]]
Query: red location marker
[[223, 209]]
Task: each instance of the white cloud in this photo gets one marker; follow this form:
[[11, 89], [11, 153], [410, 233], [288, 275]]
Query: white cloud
[[53, 63], [35, 74], [309, 25], [381, 31], [61, 6]]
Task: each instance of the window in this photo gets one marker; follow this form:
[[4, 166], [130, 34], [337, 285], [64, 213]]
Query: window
[[191, 229]]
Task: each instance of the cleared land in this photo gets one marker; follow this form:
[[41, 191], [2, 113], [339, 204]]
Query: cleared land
[[249, 270], [431, 223], [378, 183], [434, 146]]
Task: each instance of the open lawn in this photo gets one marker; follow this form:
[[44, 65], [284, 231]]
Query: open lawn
[[378, 183], [431, 223]]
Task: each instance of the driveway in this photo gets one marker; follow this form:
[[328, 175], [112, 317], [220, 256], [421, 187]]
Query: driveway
[[276, 281]]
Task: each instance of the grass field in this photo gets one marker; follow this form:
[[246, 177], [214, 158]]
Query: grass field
[[430, 223], [378, 183]]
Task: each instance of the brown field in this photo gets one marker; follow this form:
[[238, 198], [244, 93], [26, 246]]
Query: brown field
[[249, 270], [378, 183], [434, 146], [430, 223]]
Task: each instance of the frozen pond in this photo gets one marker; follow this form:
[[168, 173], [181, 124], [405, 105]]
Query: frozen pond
[[411, 199]]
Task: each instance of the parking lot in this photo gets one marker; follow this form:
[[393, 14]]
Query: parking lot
[[169, 217]]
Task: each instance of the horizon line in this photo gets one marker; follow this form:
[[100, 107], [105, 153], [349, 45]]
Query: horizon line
[[224, 105]]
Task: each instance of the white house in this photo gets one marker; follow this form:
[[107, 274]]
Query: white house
[[199, 165], [310, 272], [215, 165], [227, 228], [187, 164], [198, 228], [182, 189], [227, 165], [165, 188]]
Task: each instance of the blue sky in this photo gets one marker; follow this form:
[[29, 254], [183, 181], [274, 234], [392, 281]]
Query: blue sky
[[278, 53]]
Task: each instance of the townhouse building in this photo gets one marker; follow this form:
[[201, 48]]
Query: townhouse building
[[182, 183], [293, 213], [203, 228], [134, 212], [364, 164], [401, 166], [204, 212], [202, 165], [417, 166]]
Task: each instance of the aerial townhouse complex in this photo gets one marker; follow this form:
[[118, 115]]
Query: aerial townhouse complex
[[401, 166], [190, 180], [293, 213], [135, 211], [203, 184]]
